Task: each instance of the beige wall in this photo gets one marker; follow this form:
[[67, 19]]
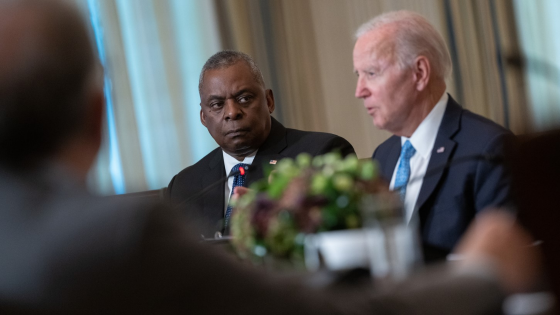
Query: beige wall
[[334, 24]]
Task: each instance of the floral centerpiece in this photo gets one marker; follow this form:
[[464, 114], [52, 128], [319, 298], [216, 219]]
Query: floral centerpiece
[[299, 197]]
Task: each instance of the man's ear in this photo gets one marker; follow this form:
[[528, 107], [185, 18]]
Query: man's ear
[[269, 100], [202, 116], [422, 71]]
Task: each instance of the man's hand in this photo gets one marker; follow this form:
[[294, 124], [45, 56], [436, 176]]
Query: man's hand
[[495, 237], [238, 192]]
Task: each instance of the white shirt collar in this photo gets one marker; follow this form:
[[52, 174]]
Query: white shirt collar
[[230, 161], [424, 136]]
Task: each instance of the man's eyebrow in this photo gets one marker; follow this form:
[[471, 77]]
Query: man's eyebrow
[[242, 91], [215, 97]]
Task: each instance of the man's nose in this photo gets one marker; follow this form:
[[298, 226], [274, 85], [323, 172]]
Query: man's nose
[[232, 110], [361, 88]]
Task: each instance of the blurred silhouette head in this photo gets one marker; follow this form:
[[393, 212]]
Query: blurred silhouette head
[[50, 92], [235, 106], [536, 188]]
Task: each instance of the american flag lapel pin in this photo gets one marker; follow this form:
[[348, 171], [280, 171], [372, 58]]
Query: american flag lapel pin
[[440, 150], [273, 162]]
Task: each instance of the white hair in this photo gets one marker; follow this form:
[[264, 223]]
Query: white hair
[[414, 36]]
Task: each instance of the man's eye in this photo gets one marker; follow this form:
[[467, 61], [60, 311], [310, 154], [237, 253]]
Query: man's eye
[[371, 74], [244, 99], [216, 105]]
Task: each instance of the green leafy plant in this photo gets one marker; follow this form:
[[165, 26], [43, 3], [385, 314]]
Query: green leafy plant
[[298, 197]]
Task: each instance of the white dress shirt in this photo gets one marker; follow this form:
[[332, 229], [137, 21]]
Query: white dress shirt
[[422, 140], [229, 163]]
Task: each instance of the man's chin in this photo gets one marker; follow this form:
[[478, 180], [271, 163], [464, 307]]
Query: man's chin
[[379, 125], [241, 150]]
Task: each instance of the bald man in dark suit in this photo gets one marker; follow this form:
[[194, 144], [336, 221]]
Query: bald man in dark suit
[[236, 108]]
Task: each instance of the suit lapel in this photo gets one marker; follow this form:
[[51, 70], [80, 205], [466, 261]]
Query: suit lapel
[[392, 158], [450, 124], [213, 208], [269, 150]]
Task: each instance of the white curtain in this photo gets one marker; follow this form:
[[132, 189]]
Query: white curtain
[[538, 25], [152, 51]]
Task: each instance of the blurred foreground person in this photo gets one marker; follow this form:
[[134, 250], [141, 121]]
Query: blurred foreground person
[[64, 251], [536, 188]]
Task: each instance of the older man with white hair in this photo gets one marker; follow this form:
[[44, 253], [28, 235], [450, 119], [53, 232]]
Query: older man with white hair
[[402, 62]]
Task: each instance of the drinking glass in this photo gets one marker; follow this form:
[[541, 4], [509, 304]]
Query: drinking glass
[[392, 243]]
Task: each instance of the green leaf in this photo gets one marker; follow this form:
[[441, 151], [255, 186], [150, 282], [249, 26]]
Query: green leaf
[[368, 170], [343, 182], [277, 187], [318, 184], [303, 160]]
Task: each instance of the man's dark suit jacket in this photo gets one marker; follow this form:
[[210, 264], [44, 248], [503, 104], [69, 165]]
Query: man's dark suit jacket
[[281, 143], [63, 251], [450, 198]]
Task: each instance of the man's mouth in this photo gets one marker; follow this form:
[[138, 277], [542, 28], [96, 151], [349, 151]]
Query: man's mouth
[[371, 110], [237, 132]]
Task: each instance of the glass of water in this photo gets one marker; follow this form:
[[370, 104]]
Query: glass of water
[[392, 243]]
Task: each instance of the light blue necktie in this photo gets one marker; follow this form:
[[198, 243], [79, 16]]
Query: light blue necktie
[[403, 172], [238, 180]]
